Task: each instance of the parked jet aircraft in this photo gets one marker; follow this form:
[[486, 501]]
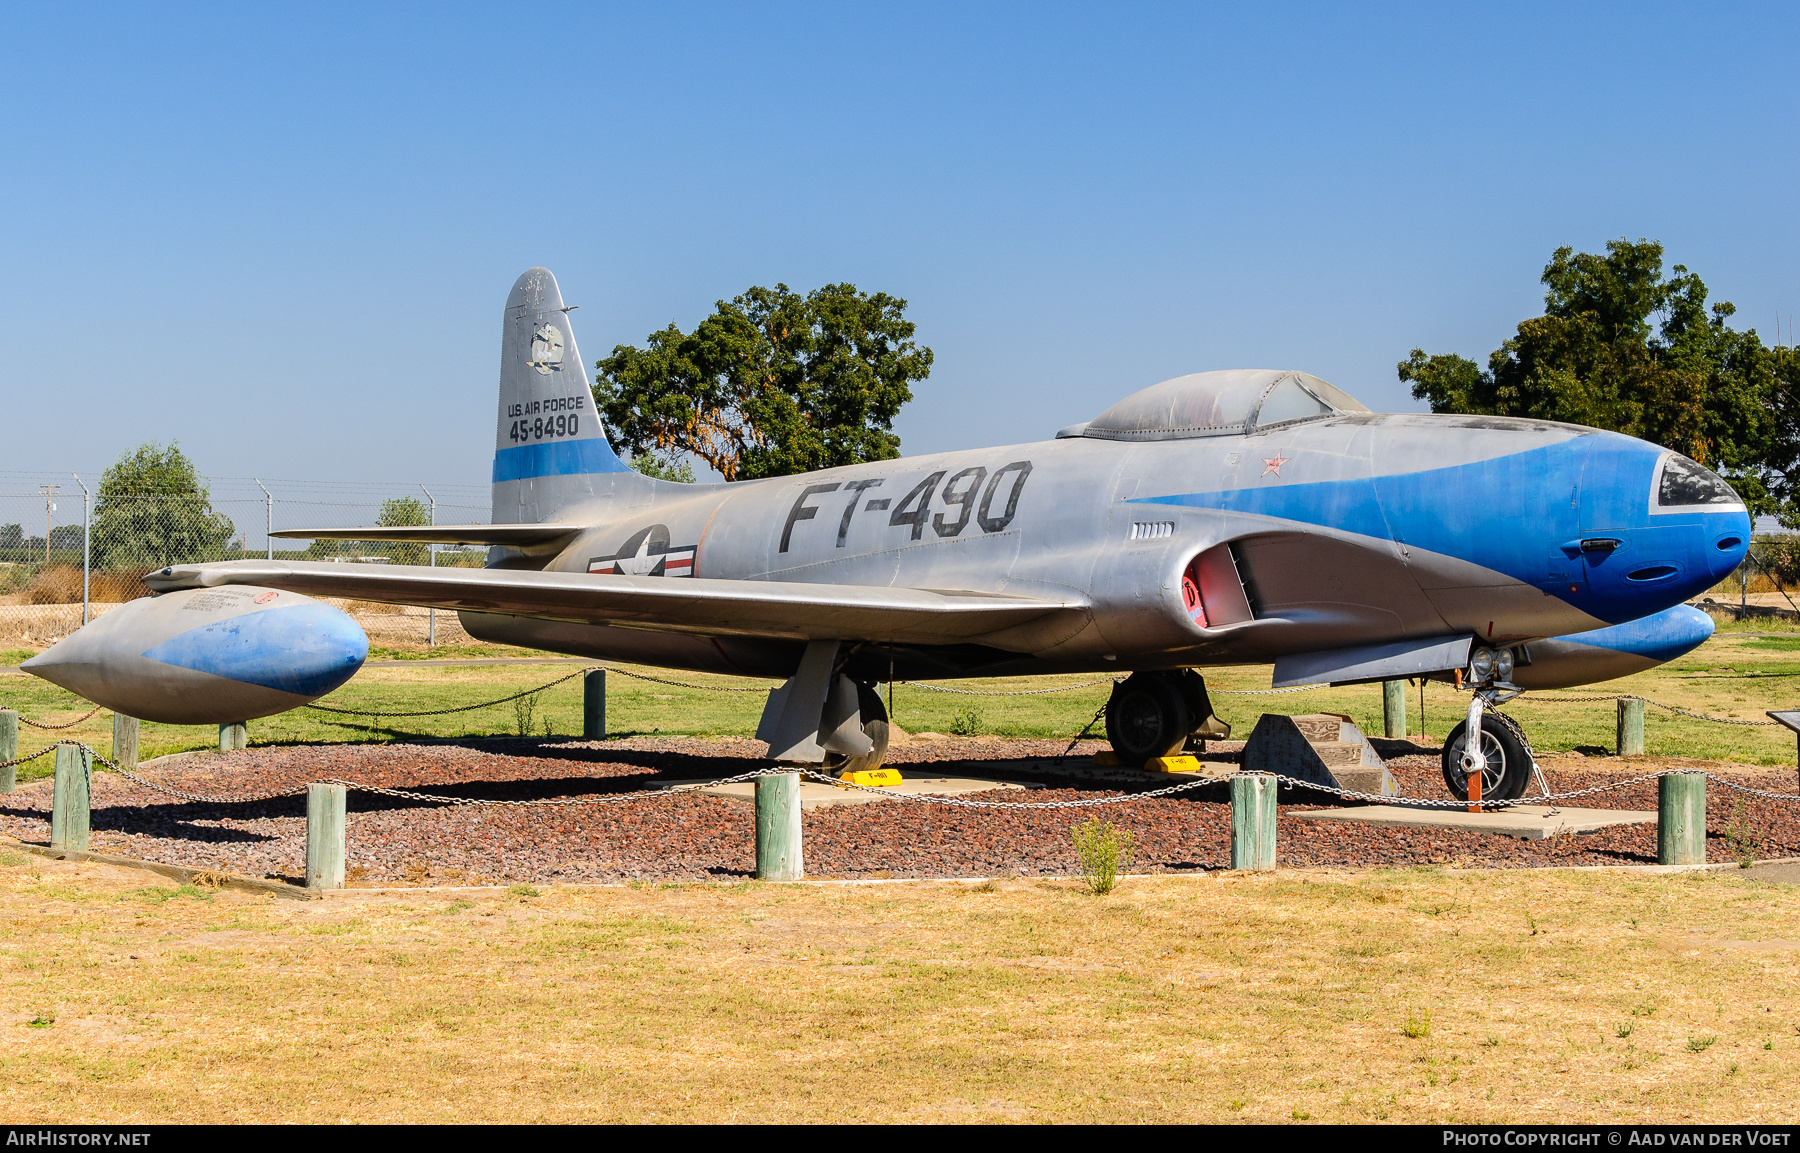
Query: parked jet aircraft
[[1250, 516]]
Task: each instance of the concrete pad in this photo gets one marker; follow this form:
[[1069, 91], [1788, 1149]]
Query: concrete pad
[[814, 795], [1527, 822]]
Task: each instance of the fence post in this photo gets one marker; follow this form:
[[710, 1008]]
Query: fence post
[[87, 546], [125, 741], [1252, 821], [1393, 708], [1681, 819], [593, 705], [9, 749], [69, 802], [233, 735], [778, 855], [325, 806], [1631, 727]]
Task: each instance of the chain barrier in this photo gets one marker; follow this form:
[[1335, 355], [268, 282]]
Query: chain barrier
[[923, 798], [32, 757], [534, 692], [1015, 693], [70, 725], [686, 685], [1670, 708], [459, 709], [1263, 692]]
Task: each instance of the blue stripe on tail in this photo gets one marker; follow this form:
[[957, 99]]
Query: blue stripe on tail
[[557, 458]]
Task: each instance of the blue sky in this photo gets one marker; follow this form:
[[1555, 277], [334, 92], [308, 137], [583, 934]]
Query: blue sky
[[284, 237]]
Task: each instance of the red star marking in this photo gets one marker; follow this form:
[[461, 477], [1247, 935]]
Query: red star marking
[[1273, 464]]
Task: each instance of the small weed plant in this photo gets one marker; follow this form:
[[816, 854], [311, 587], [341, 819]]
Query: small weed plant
[[1701, 1044], [1743, 842], [525, 712], [968, 722], [1416, 1025], [1104, 851]]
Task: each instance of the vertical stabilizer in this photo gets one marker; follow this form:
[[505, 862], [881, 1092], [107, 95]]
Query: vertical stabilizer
[[550, 449]]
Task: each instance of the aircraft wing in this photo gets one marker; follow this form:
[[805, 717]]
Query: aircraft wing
[[783, 609], [515, 535]]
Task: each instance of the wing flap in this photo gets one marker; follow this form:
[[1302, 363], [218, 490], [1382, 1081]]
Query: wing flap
[[779, 609]]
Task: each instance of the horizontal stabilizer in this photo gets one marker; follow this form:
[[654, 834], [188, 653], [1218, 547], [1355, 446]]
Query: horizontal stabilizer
[[780, 609], [513, 535]]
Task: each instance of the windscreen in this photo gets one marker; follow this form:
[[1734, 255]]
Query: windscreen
[[1685, 484]]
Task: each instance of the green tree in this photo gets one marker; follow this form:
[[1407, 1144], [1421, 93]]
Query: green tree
[[152, 509], [772, 383], [662, 468], [1622, 347], [402, 511]]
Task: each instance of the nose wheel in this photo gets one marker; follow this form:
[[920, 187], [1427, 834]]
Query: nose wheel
[[1504, 748]]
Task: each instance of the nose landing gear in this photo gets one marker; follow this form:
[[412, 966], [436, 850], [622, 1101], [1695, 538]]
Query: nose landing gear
[[1501, 755], [1153, 714]]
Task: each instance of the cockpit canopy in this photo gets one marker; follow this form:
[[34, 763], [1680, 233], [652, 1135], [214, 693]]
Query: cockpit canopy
[[1225, 403]]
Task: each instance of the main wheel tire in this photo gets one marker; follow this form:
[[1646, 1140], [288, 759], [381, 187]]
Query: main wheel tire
[[1508, 772], [874, 726], [1146, 718]]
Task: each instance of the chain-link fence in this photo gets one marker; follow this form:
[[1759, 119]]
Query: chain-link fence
[[70, 550]]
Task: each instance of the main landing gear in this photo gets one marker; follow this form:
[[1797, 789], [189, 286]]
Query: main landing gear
[[874, 726], [1154, 714]]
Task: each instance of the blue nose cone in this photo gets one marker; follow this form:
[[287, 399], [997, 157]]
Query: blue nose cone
[[1656, 529], [306, 649]]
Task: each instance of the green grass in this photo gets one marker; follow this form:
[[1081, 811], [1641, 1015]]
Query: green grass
[[1731, 675]]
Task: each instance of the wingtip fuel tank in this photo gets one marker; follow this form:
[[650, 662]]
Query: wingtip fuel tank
[[201, 656]]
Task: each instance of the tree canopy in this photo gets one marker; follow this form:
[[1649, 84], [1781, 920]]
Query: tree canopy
[[152, 509], [1621, 346], [771, 383], [402, 511]]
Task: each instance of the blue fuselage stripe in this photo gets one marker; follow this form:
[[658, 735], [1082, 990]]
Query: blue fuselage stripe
[[1522, 515]]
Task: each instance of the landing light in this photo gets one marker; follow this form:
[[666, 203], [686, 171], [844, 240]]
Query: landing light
[[1491, 664]]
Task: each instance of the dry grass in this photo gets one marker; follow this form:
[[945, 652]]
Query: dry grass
[[1556, 997]]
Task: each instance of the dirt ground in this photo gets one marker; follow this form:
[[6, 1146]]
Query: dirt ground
[[638, 833]]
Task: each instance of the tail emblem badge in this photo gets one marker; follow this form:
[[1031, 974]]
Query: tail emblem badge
[[547, 349]]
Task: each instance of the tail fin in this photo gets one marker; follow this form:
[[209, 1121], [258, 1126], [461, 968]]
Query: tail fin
[[550, 449]]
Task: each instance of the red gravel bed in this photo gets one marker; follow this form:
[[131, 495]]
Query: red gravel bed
[[396, 841]]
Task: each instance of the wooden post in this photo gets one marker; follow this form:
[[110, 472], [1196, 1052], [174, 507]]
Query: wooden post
[[125, 741], [325, 836], [1631, 727], [593, 705], [69, 801], [9, 749], [1393, 708], [1681, 819], [778, 855], [1252, 821], [233, 735]]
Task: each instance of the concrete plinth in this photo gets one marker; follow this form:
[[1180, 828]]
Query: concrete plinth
[[1526, 822]]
